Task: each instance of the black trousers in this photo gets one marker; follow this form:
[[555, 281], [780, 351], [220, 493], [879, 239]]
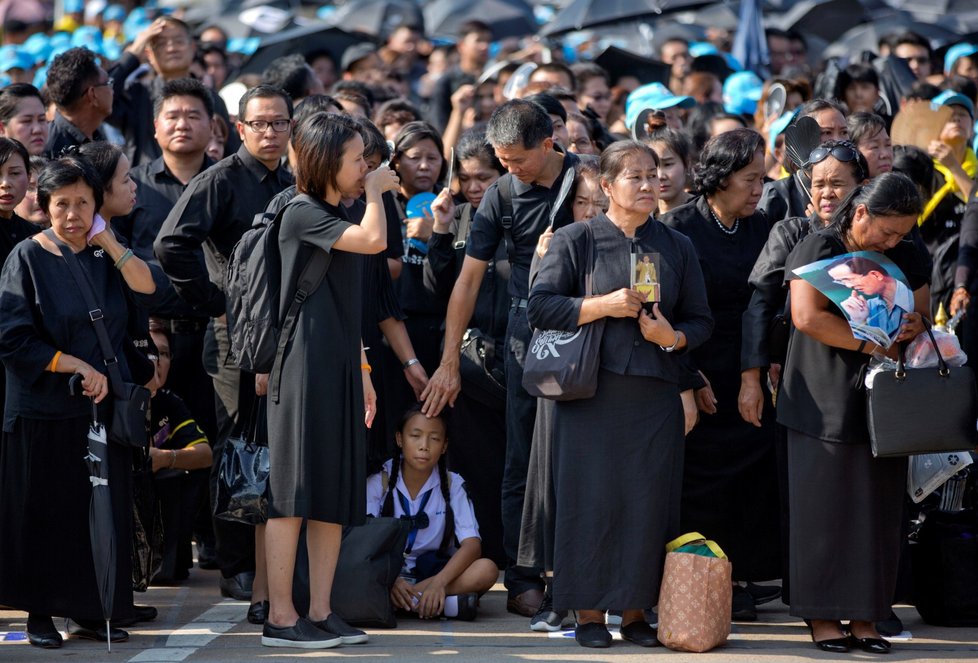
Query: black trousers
[[521, 412]]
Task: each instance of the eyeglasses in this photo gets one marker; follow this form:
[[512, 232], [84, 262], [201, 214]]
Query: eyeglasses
[[109, 82], [261, 126], [843, 151]]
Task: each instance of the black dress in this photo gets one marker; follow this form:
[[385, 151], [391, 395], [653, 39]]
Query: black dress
[[845, 506], [617, 456], [316, 434], [730, 488], [46, 564]]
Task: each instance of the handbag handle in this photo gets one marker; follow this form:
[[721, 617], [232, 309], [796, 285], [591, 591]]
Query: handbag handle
[[942, 367], [588, 260]]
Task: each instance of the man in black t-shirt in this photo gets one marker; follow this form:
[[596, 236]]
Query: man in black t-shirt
[[521, 134]]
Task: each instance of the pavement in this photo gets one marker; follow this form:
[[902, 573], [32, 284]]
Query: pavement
[[196, 624]]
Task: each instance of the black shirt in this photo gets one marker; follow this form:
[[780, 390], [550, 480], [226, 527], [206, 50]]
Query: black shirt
[[209, 218], [64, 134], [531, 215], [157, 191], [821, 386], [441, 99], [782, 199]]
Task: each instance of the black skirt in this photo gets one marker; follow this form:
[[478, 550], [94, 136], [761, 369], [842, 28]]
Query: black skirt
[[846, 509], [46, 564], [617, 463]]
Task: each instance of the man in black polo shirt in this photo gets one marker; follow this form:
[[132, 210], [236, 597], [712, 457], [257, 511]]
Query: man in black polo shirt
[[521, 133], [193, 248], [82, 94]]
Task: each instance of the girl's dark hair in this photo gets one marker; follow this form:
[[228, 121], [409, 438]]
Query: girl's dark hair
[[699, 122], [37, 164], [889, 194], [915, 164], [105, 157], [810, 108], [857, 72], [387, 508], [65, 171], [864, 125], [613, 159], [676, 141], [413, 133], [12, 95], [316, 103], [859, 165], [396, 111], [472, 144], [9, 147], [319, 143], [724, 155]]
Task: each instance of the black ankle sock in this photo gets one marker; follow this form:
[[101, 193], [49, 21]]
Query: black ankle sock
[[40, 624]]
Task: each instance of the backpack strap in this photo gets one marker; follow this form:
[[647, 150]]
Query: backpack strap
[[505, 189], [310, 279], [464, 223]]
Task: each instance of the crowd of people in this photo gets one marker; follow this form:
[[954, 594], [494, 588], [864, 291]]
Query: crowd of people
[[465, 203]]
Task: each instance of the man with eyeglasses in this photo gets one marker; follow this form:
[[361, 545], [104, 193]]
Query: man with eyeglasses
[[193, 247], [170, 48], [916, 50], [82, 93]]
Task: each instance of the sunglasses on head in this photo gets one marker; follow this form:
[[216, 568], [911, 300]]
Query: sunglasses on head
[[844, 152]]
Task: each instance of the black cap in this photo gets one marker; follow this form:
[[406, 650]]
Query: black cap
[[618, 63]]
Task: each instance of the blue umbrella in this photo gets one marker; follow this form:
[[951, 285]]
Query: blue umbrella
[[750, 43]]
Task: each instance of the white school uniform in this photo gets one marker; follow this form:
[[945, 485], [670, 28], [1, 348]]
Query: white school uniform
[[429, 538]]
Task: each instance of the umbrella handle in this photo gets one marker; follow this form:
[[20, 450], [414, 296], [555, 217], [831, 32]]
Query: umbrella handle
[[74, 385]]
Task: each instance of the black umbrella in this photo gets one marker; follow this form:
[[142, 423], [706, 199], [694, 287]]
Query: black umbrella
[[100, 524], [581, 14], [303, 40], [376, 18], [827, 19], [506, 18], [619, 62], [866, 37]]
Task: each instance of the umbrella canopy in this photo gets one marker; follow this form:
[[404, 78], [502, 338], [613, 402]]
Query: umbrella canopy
[[866, 37], [506, 18], [377, 18], [750, 44], [581, 14], [302, 40], [826, 19], [100, 524], [618, 62]]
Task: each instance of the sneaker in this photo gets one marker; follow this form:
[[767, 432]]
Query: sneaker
[[547, 619], [743, 609], [335, 625], [303, 635], [763, 593], [468, 607]]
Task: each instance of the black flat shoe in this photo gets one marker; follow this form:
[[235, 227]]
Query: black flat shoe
[[834, 645], [258, 612], [87, 632], [871, 645], [641, 634], [141, 613], [592, 635], [45, 640]]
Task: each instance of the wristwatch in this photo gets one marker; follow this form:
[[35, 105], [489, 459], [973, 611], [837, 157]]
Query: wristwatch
[[410, 362], [674, 345]]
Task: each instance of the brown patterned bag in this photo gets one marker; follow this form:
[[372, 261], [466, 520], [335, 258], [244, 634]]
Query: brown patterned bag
[[696, 594]]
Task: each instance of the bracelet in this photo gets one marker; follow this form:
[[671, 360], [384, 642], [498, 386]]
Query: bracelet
[[366, 367], [173, 458], [674, 345], [123, 259], [53, 364], [862, 346], [410, 362]]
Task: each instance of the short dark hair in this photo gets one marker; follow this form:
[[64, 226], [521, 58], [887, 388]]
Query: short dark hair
[[519, 122], [317, 103], [724, 155], [961, 84], [37, 163], [263, 92], [922, 90], [550, 104], [104, 156], [357, 87], [291, 73], [396, 111], [469, 27], [65, 171], [585, 71], [888, 194], [472, 144], [319, 143], [613, 157], [916, 164], [9, 147], [864, 125], [374, 142], [12, 95], [184, 87], [558, 68], [817, 105], [913, 39], [70, 75], [857, 72]]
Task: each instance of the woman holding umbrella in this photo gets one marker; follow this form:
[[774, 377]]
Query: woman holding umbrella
[[46, 337]]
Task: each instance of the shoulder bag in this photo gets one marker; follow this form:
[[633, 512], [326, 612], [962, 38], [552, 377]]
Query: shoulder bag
[[922, 410], [130, 402], [561, 365]]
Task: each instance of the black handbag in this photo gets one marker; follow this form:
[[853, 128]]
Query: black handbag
[[371, 557], [562, 365], [922, 410], [130, 402], [945, 568], [481, 370], [242, 477]]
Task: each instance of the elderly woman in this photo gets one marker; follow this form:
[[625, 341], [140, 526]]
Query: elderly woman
[[868, 132], [729, 478], [617, 456], [845, 505], [46, 337]]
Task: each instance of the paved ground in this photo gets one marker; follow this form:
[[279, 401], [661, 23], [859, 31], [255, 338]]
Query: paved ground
[[195, 624]]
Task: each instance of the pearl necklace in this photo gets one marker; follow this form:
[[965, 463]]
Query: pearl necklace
[[723, 228]]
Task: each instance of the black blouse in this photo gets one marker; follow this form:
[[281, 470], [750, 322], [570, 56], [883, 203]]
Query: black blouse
[[557, 293], [821, 386]]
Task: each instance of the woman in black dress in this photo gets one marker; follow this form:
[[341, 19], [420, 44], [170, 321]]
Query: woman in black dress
[[617, 456], [845, 506], [730, 490], [316, 431], [46, 336]]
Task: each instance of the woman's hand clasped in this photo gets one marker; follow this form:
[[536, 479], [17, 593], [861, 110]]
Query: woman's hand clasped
[[655, 328], [94, 384], [624, 303]]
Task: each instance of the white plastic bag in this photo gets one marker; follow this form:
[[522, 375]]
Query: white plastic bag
[[928, 472]]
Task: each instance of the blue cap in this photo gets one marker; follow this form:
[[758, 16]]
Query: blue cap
[[952, 98], [741, 92], [12, 58], [698, 48], [86, 35], [37, 46], [653, 95], [60, 39], [136, 22], [74, 6], [114, 13], [955, 53], [244, 45], [41, 77], [778, 127]]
